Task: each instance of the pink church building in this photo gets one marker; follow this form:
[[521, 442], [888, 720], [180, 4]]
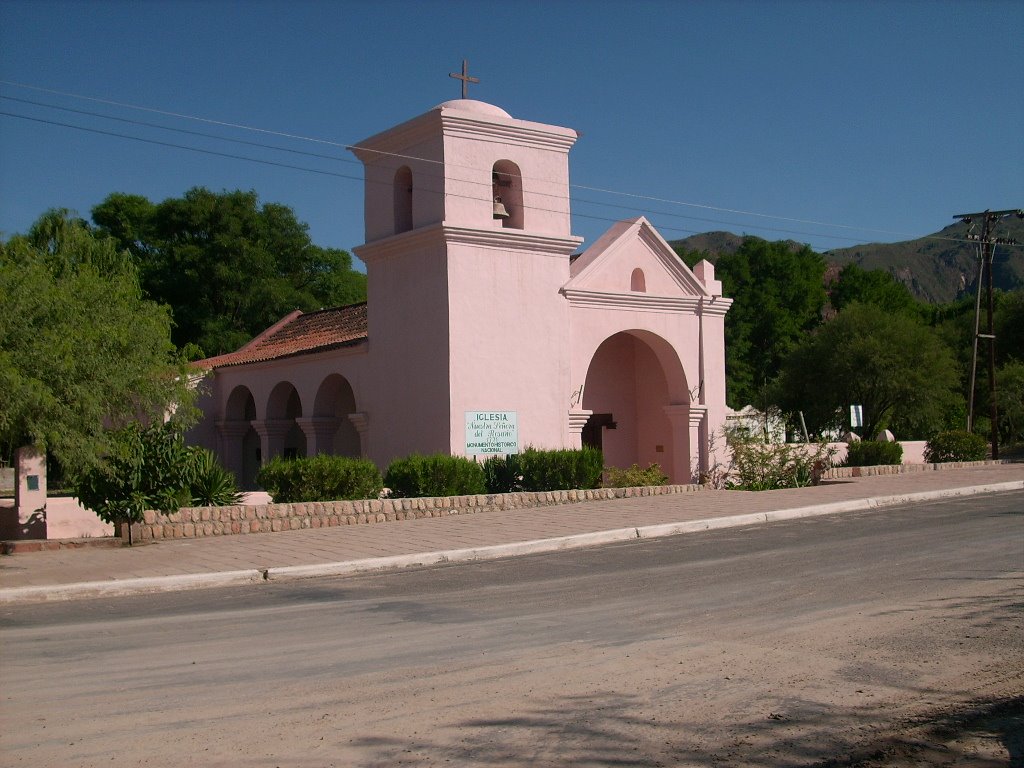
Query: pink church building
[[485, 330]]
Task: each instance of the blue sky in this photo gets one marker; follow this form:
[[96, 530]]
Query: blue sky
[[877, 121]]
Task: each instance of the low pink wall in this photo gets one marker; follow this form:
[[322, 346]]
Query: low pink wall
[[913, 451], [67, 519], [64, 518]]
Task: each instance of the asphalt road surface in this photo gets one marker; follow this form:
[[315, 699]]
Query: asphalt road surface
[[859, 639]]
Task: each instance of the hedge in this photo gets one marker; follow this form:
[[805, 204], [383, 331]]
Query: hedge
[[437, 475], [544, 470], [873, 453], [956, 445], [320, 478]]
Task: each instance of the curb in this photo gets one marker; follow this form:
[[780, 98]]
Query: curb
[[149, 585]]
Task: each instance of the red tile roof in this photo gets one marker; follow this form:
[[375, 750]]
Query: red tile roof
[[299, 333]]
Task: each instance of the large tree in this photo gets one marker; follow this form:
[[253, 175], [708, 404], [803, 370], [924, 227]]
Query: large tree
[[894, 366], [227, 266], [778, 296], [873, 286], [81, 349]]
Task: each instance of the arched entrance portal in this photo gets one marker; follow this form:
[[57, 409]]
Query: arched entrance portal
[[636, 388]]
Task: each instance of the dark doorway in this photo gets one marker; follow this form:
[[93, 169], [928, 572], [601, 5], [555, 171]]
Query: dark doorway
[[592, 435]]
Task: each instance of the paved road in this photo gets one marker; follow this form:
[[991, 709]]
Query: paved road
[[772, 645]]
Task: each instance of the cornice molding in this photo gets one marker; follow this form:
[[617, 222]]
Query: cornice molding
[[446, 234], [516, 132], [716, 306], [400, 243], [511, 240], [642, 302], [380, 146], [443, 123]]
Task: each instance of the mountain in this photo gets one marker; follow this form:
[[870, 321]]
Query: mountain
[[937, 268]]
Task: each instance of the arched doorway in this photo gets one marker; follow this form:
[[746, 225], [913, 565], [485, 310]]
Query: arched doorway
[[632, 381]]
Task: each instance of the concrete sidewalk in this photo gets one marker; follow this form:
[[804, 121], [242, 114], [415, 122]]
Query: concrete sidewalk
[[176, 564]]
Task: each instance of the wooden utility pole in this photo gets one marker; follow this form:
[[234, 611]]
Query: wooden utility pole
[[987, 242]]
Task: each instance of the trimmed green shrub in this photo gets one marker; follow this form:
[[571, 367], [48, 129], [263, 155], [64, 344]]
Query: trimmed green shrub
[[503, 474], [956, 445], [540, 470], [437, 475], [634, 477], [561, 470], [873, 453], [320, 478]]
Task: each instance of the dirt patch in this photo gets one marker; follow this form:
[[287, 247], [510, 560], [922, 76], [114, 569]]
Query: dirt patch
[[986, 735]]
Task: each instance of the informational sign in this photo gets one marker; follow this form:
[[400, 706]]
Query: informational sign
[[489, 432], [856, 416]]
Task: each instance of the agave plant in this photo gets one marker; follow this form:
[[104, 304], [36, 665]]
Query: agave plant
[[210, 483]]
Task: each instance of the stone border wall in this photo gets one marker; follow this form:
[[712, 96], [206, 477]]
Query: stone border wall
[[837, 473], [197, 522]]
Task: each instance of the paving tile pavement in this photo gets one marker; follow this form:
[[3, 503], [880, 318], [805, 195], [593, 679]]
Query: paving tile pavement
[[410, 537]]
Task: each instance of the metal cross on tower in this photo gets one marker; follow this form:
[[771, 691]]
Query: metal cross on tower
[[465, 78]]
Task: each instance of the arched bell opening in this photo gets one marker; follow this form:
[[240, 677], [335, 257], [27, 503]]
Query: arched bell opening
[[403, 199], [507, 190]]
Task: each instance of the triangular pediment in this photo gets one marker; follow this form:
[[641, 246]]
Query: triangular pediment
[[610, 265]]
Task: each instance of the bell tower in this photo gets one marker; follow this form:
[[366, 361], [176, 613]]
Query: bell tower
[[467, 245]]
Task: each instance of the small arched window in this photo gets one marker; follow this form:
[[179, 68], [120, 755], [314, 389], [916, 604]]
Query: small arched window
[[403, 199], [507, 189], [637, 282]]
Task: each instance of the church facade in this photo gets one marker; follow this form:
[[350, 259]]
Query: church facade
[[484, 330]]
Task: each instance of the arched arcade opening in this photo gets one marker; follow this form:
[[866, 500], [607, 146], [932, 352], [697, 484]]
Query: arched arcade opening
[[240, 444]]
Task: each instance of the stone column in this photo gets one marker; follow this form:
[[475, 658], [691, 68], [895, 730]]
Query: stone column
[[272, 434], [319, 432], [698, 440], [577, 421], [231, 434], [361, 421], [689, 455]]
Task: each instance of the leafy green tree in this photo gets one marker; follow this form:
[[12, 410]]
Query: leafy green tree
[[874, 286], [893, 365], [227, 266], [1009, 326], [778, 295], [1010, 397], [955, 323], [81, 349], [691, 256], [150, 467]]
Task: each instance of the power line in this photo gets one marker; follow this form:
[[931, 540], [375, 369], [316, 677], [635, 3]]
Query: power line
[[290, 166], [637, 196], [185, 131], [576, 200]]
